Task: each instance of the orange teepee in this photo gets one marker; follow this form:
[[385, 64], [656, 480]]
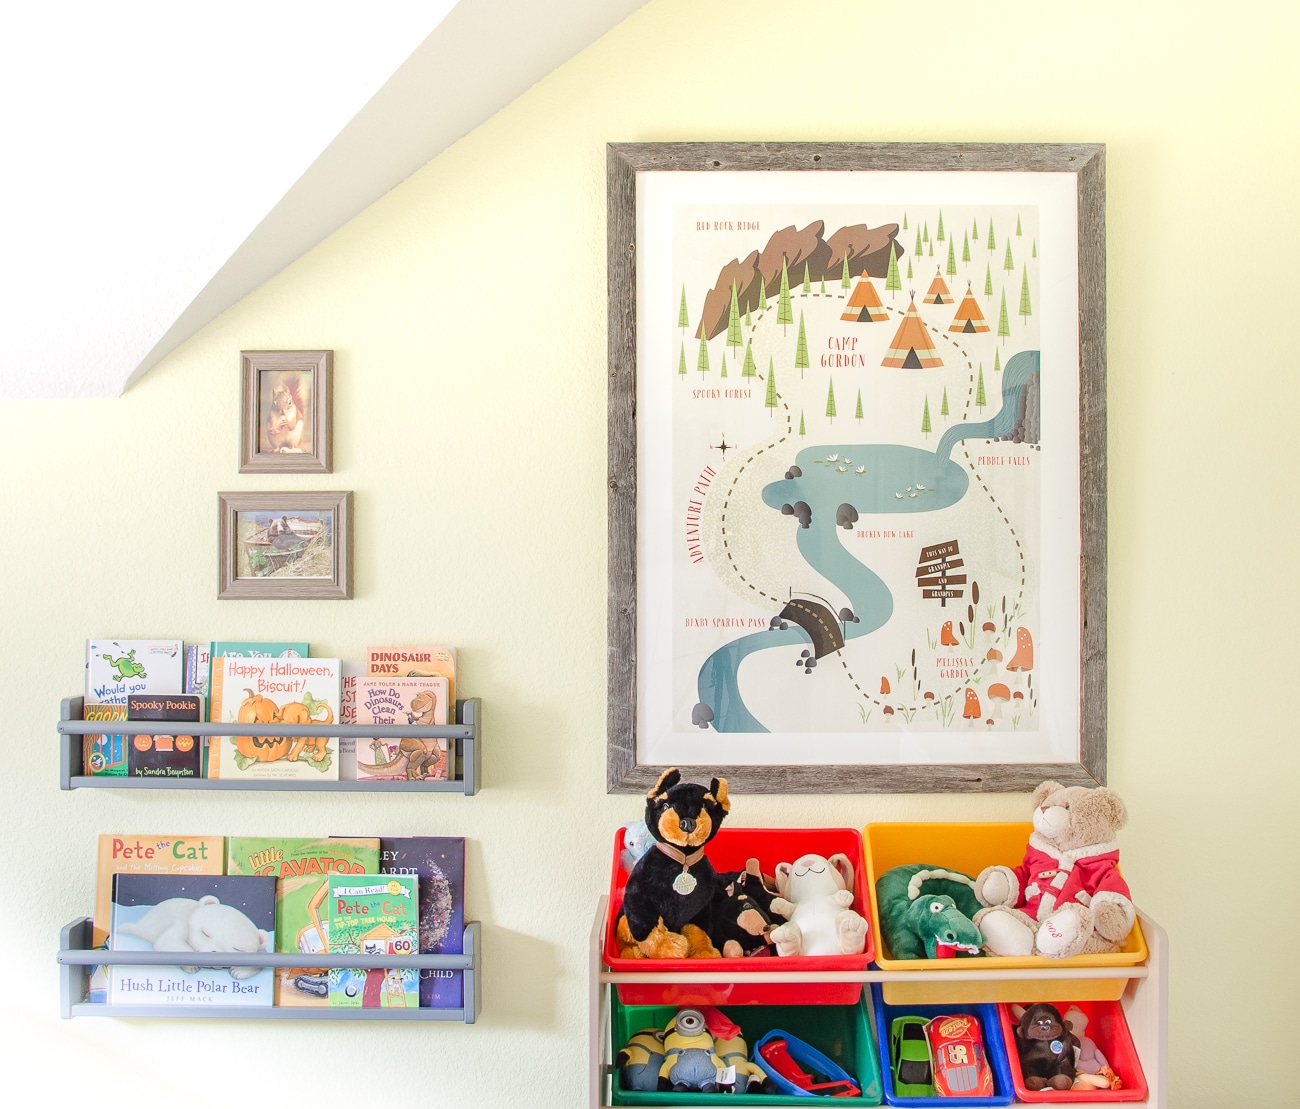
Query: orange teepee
[[912, 348], [969, 319], [938, 293], [864, 303]]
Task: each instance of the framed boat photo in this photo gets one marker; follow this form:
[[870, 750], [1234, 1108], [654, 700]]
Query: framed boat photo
[[857, 474], [285, 546]]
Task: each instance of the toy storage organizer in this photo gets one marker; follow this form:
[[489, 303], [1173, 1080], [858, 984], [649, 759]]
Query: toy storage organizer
[[1132, 984]]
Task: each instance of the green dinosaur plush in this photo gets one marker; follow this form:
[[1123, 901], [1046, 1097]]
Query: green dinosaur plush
[[925, 912]]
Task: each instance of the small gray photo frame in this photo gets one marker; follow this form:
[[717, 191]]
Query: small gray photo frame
[[285, 546], [285, 411]]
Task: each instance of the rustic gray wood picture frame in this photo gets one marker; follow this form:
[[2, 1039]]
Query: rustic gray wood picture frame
[[623, 161], [318, 458], [338, 587]]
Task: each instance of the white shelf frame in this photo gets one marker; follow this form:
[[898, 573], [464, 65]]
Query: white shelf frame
[[1145, 1002]]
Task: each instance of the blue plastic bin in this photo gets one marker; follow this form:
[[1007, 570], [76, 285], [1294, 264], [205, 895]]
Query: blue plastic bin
[[994, 1050]]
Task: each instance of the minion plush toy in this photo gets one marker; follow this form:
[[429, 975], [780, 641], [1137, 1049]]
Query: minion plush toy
[[640, 1059], [690, 1062]]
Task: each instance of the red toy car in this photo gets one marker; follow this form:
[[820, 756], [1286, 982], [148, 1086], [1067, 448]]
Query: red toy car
[[957, 1048]]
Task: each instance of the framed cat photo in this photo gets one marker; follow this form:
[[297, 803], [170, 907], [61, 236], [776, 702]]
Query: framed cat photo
[[285, 411]]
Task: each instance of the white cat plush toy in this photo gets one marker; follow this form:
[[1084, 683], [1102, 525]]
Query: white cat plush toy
[[821, 920]]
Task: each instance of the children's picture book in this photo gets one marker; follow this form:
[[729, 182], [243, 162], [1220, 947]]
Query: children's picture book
[[350, 673], [186, 856], [419, 701], [198, 662], [302, 868], [219, 649], [104, 754], [202, 919], [374, 915], [164, 756], [415, 662], [439, 864], [115, 669], [301, 691]]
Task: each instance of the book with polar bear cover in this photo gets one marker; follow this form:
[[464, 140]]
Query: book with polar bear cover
[[201, 918]]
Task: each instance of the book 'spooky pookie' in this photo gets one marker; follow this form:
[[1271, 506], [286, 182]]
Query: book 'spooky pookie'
[[164, 755]]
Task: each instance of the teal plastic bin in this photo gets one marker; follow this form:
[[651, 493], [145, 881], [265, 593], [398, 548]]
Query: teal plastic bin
[[842, 1032]]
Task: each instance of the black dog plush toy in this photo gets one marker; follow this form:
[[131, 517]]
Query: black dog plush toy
[[668, 903], [746, 909], [1046, 1047]]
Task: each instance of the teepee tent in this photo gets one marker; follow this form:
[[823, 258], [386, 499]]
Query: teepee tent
[[912, 348], [938, 293], [969, 320], [864, 303]]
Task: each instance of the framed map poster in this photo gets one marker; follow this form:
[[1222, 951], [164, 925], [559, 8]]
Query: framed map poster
[[857, 465]]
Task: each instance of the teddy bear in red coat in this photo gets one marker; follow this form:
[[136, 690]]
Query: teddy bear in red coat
[[1067, 897]]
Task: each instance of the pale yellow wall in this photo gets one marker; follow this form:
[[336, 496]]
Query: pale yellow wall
[[467, 312]]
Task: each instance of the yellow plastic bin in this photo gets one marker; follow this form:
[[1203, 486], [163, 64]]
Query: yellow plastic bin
[[969, 848]]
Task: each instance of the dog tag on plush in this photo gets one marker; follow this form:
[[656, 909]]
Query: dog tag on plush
[[684, 883]]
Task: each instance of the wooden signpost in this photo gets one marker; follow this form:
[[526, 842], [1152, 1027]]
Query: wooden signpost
[[933, 572]]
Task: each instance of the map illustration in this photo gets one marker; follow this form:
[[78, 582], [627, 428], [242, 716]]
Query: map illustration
[[852, 418]]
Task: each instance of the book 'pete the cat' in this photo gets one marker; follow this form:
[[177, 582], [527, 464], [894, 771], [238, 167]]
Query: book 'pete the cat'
[[373, 914]]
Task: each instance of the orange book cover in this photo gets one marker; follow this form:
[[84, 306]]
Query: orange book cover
[[415, 662]]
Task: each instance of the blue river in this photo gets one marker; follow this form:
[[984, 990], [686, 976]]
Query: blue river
[[873, 478]]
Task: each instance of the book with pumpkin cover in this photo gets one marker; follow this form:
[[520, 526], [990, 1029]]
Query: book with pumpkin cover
[[374, 914], [302, 868], [301, 691], [219, 649], [418, 701], [164, 755], [124, 854]]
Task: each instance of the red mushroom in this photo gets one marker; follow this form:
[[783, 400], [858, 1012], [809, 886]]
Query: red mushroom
[[999, 694], [928, 695], [889, 711], [1023, 660], [994, 655], [884, 686], [989, 626], [946, 637], [972, 709]]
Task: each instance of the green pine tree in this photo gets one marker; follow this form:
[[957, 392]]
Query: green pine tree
[[857, 412], [805, 279], [925, 419], [1017, 225], [1004, 326], [770, 401], [724, 364], [951, 268], [1007, 263], [975, 230], [965, 248], [748, 322], [844, 273], [892, 281], [939, 234], [925, 236], [992, 243], [1024, 295], [943, 407], [683, 319], [784, 314], [748, 369], [997, 361], [909, 269], [702, 362], [904, 221], [988, 280], [762, 292], [918, 248], [1035, 251], [734, 338], [681, 361], [801, 427], [931, 250], [801, 349], [823, 288], [980, 399], [830, 399]]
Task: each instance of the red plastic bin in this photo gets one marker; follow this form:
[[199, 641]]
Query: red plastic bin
[[1109, 1030], [729, 850]]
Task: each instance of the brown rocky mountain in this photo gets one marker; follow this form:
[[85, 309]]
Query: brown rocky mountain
[[867, 249]]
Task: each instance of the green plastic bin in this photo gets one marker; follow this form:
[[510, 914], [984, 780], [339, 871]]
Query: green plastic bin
[[842, 1032]]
